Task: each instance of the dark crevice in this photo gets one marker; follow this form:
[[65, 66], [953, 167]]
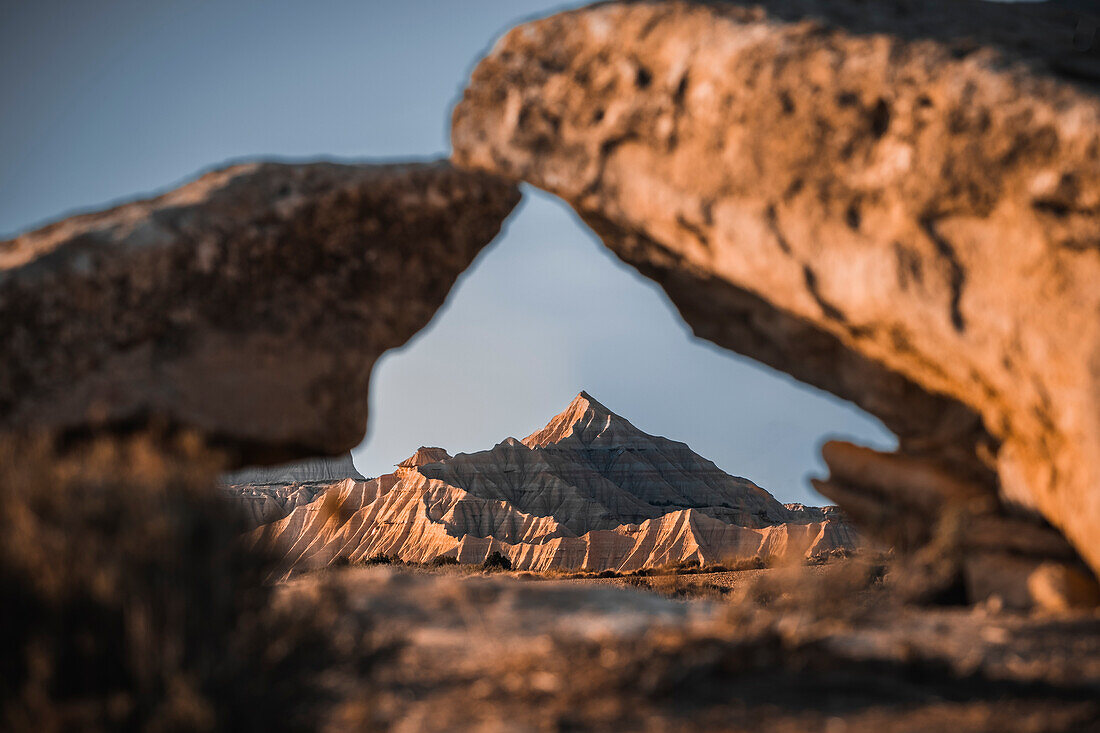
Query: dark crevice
[[681, 90], [957, 277], [910, 270], [693, 229], [773, 224], [830, 310], [880, 119], [852, 216], [606, 149]]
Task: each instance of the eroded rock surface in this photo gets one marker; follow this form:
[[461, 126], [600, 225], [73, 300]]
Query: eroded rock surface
[[248, 304], [268, 494], [869, 202], [589, 491]]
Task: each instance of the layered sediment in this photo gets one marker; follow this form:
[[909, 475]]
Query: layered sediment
[[588, 492]]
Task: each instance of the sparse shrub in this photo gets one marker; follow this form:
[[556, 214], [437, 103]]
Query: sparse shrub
[[752, 563], [443, 560], [608, 574], [828, 556], [690, 565], [496, 561], [130, 602], [380, 560]]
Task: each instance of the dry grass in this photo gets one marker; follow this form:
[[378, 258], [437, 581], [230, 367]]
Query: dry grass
[[130, 604]]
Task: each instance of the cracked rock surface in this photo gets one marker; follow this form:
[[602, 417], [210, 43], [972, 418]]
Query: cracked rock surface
[[868, 201], [249, 304]]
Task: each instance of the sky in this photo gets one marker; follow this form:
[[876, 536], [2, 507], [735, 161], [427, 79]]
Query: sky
[[113, 100]]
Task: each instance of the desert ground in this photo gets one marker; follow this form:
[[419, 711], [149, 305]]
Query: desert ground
[[800, 649]]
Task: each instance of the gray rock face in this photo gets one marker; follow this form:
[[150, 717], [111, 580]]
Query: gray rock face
[[867, 202], [267, 494], [312, 470], [248, 305], [592, 469]]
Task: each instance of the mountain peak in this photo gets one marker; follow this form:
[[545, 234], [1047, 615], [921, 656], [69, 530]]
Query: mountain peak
[[583, 411], [583, 396], [423, 456]]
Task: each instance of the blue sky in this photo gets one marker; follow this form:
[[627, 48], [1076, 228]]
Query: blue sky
[[113, 99]]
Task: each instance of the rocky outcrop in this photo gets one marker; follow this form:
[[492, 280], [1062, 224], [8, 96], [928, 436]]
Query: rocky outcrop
[[423, 456], [589, 491], [268, 494], [592, 469], [311, 471], [898, 204], [248, 305]]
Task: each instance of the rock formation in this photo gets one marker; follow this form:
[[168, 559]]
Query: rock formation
[[313, 470], [895, 202], [589, 491], [268, 494], [248, 305]]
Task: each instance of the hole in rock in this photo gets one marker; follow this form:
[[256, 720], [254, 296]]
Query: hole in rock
[[547, 311]]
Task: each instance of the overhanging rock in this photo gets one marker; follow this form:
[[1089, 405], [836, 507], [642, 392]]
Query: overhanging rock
[[248, 304], [897, 202]]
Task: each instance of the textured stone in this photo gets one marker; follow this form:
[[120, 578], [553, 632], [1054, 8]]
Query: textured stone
[[589, 491], [248, 304], [897, 202]]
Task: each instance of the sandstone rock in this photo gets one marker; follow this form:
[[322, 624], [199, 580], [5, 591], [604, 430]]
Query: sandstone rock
[[589, 491], [249, 304], [870, 202]]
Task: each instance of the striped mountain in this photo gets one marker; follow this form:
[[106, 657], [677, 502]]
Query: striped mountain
[[589, 491]]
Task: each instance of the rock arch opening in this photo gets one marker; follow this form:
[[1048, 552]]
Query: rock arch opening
[[850, 223], [546, 312], [911, 228]]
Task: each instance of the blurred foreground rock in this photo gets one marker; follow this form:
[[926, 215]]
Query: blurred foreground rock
[[819, 649], [896, 202], [249, 304]]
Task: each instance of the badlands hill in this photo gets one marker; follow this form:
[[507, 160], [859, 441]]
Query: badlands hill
[[268, 494], [589, 491]]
